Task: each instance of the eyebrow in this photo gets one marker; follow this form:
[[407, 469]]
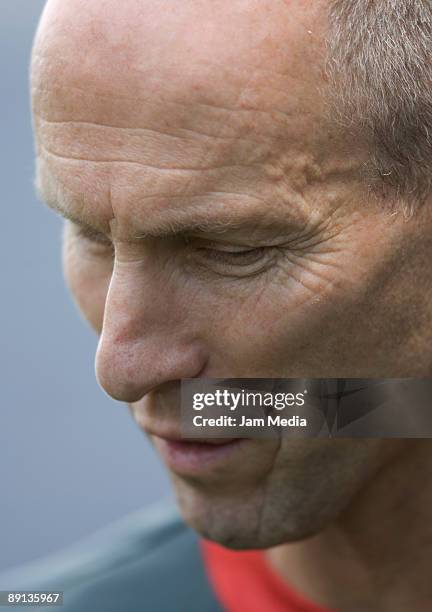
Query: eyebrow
[[177, 227]]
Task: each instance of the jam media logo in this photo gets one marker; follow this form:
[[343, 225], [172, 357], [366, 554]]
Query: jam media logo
[[340, 401], [332, 407], [397, 407]]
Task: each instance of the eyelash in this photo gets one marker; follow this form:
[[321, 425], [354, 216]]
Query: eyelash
[[238, 258]]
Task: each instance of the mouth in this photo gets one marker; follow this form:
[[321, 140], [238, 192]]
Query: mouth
[[197, 456]]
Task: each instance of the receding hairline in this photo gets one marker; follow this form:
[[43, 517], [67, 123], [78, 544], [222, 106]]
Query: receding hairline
[[381, 87]]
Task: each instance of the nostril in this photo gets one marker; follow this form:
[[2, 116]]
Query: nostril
[[126, 373], [128, 368], [118, 386]]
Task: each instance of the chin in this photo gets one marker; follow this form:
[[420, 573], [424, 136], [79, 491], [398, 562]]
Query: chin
[[244, 520], [306, 490]]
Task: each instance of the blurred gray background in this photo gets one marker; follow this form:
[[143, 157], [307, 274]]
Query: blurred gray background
[[71, 460]]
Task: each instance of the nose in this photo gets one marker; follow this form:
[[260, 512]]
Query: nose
[[148, 337]]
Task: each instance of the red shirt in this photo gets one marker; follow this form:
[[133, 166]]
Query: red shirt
[[243, 581]]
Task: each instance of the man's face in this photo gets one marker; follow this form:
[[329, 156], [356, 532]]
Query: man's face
[[221, 229]]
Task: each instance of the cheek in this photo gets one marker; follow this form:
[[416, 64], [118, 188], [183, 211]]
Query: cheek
[[292, 323], [88, 280], [263, 331], [342, 313]]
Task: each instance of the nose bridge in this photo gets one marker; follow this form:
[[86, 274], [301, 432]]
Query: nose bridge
[[137, 299], [147, 338]]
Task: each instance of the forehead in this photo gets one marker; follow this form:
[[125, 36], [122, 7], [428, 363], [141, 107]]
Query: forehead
[[177, 42], [206, 102]]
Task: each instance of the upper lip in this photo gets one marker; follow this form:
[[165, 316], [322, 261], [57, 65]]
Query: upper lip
[[175, 436]]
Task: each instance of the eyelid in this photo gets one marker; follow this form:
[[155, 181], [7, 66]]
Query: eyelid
[[220, 245], [246, 258], [229, 248]]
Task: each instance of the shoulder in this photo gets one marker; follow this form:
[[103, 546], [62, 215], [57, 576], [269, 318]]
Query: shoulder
[[149, 560]]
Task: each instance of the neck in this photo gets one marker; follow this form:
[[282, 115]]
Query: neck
[[377, 555]]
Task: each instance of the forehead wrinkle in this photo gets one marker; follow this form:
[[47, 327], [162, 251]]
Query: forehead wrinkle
[[187, 85], [164, 210], [145, 164], [154, 147], [198, 221], [130, 184], [199, 217], [147, 131], [66, 104]]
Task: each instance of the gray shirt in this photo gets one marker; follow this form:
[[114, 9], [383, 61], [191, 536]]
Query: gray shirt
[[149, 561]]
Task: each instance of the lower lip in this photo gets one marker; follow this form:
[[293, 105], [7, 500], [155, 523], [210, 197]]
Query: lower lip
[[196, 457]]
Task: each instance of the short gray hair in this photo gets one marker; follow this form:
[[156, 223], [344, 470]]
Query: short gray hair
[[380, 69]]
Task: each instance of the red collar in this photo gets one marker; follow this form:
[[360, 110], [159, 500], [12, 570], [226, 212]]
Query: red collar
[[244, 580]]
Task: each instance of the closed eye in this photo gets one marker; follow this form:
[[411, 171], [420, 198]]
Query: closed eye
[[236, 257], [232, 260]]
